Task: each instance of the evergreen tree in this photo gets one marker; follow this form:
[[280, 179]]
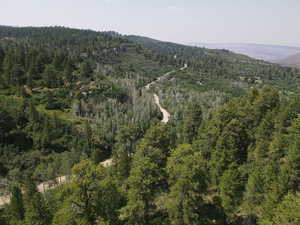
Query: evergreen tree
[[16, 207], [36, 210], [2, 56], [231, 189], [7, 124], [85, 70], [187, 180], [51, 77], [3, 220], [231, 147], [287, 212], [109, 202], [124, 149], [292, 162], [254, 191], [191, 122], [147, 178], [85, 192]]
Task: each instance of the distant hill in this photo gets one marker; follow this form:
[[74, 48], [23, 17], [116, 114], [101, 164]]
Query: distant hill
[[185, 52], [271, 53], [292, 61]]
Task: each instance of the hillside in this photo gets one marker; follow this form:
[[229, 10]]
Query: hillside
[[89, 80], [149, 132], [183, 51], [292, 61], [207, 66], [270, 53], [239, 166], [95, 82]]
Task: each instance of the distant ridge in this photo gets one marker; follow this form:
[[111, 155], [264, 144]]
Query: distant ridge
[[271, 53], [292, 61]]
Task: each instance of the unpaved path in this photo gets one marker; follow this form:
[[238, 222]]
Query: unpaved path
[[4, 200], [48, 185], [166, 114], [42, 187], [164, 76], [51, 184], [106, 163]]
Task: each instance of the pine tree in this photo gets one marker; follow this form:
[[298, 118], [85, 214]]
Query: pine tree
[[191, 122], [85, 193], [231, 189], [123, 150], [7, 124], [3, 218], [92, 198], [287, 212], [36, 210], [187, 180], [231, 147], [2, 56], [51, 77], [85, 70], [147, 177], [16, 207], [254, 191]]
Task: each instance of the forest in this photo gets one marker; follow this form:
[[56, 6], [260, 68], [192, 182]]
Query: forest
[[71, 99]]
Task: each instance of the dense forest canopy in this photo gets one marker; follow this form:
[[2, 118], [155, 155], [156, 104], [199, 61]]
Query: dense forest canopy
[[70, 99]]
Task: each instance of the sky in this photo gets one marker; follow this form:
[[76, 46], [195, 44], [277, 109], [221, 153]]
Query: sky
[[182, 21]]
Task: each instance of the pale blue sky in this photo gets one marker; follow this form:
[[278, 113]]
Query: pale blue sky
[[184, 21]]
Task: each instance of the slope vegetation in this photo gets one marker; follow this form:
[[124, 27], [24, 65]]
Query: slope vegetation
[[91, 83]]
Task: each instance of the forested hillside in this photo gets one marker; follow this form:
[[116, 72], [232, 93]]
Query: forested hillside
[[91, 81], [70, 99], [241, 166], [208, 66]]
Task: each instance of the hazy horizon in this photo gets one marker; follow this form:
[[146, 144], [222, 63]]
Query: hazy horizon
[[268, 22], [243, 43]]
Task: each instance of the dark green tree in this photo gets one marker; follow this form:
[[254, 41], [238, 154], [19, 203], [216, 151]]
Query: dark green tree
[[231, 147], [147, 177], [126, 138], [231, 189], [16, 206], [187, 180], [36, 210], [85, 70], [191, 122], [7, 124], [51, 77]]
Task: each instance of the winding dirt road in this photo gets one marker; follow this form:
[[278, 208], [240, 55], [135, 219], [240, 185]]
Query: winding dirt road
[[166, 114], [48, 185]]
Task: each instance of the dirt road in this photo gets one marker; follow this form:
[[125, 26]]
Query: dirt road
[[166, 114], [51, 184]]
